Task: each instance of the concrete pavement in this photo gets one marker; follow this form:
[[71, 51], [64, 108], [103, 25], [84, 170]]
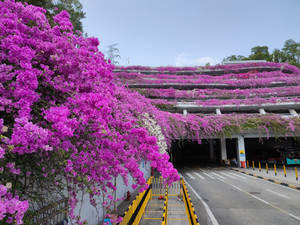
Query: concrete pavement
[[225, 197], [289, 180]]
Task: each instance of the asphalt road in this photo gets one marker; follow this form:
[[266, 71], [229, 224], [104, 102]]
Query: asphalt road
[[225, 197]]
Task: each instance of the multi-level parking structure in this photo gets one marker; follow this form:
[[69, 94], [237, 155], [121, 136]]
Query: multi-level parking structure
[[265, 91]]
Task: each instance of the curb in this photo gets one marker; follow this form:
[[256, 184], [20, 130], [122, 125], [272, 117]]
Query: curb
[[268, 179]]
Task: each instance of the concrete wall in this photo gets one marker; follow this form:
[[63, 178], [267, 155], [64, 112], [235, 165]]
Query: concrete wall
[[95, 216]]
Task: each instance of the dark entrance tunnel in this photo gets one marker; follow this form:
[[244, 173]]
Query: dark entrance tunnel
[[186, 153], [272, 150]]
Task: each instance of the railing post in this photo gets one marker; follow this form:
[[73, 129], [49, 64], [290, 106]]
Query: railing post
[[267, 167]]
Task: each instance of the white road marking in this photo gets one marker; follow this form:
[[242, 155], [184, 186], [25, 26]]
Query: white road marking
[[209, 212], [264, 201], [295, 217], [236, 187], [281, 195], [237, 175], [221, 177], [190, 176], [277, 185], [198, 175], [253, 196], [229, 175], [210, 176]]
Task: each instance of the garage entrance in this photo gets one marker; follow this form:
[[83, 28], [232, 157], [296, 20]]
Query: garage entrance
[[279, 150], [191, 153]]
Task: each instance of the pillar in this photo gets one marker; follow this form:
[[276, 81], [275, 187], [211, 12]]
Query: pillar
[[241, 154], [223, 149], [262, 111], [184, 112], [211, 150], [293, 112]]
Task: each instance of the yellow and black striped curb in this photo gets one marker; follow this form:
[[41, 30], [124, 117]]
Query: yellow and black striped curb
[[268, 179], [193, 219]]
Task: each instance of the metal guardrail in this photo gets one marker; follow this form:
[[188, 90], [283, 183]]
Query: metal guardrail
[[165, 210], [193, 220], [136, 210], [54, 213]]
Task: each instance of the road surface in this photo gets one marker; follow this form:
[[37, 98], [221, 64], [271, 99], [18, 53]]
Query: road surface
[[225, 197]]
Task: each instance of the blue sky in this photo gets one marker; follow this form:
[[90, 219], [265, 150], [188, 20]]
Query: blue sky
[[189, 32]]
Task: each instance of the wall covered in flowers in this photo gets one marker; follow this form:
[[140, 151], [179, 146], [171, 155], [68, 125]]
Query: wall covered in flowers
[[65, 126], [248, 85]]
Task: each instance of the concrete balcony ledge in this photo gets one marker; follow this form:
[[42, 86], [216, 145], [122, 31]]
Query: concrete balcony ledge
[[182, 86], [239, 108], [204, 71]]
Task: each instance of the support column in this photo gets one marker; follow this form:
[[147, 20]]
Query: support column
[[293, 112], [185, 112], [262, 111], [211, 150], [241, 154], [223, 149]]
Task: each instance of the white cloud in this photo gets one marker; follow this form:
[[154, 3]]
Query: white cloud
[[185, 60]]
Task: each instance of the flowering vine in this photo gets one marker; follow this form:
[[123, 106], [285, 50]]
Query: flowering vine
[[65, 126]]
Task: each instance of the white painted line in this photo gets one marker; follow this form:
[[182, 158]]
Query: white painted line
[[221, 177], [209, 212], [260, 199], [229, 175], [210, 176], [198, 175], [295, 217], [239, 176], [236, 187], [275, 193], [190, 176], [267, 203], [277, 185]]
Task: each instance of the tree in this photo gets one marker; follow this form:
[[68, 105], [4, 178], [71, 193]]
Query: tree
[[260, 53], [291, 51], [73, 7], [113, 53], [277, 55], [234, 58]]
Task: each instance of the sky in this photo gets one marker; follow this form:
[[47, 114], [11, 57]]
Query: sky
[[189, 32]]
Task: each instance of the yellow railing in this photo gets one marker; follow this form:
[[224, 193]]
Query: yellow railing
[[165, 210], [136, 210], [193, 220]]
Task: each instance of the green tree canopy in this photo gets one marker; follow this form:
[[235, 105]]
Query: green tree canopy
[[289, 53], [73, 7], [260, 53], [235, 58]]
